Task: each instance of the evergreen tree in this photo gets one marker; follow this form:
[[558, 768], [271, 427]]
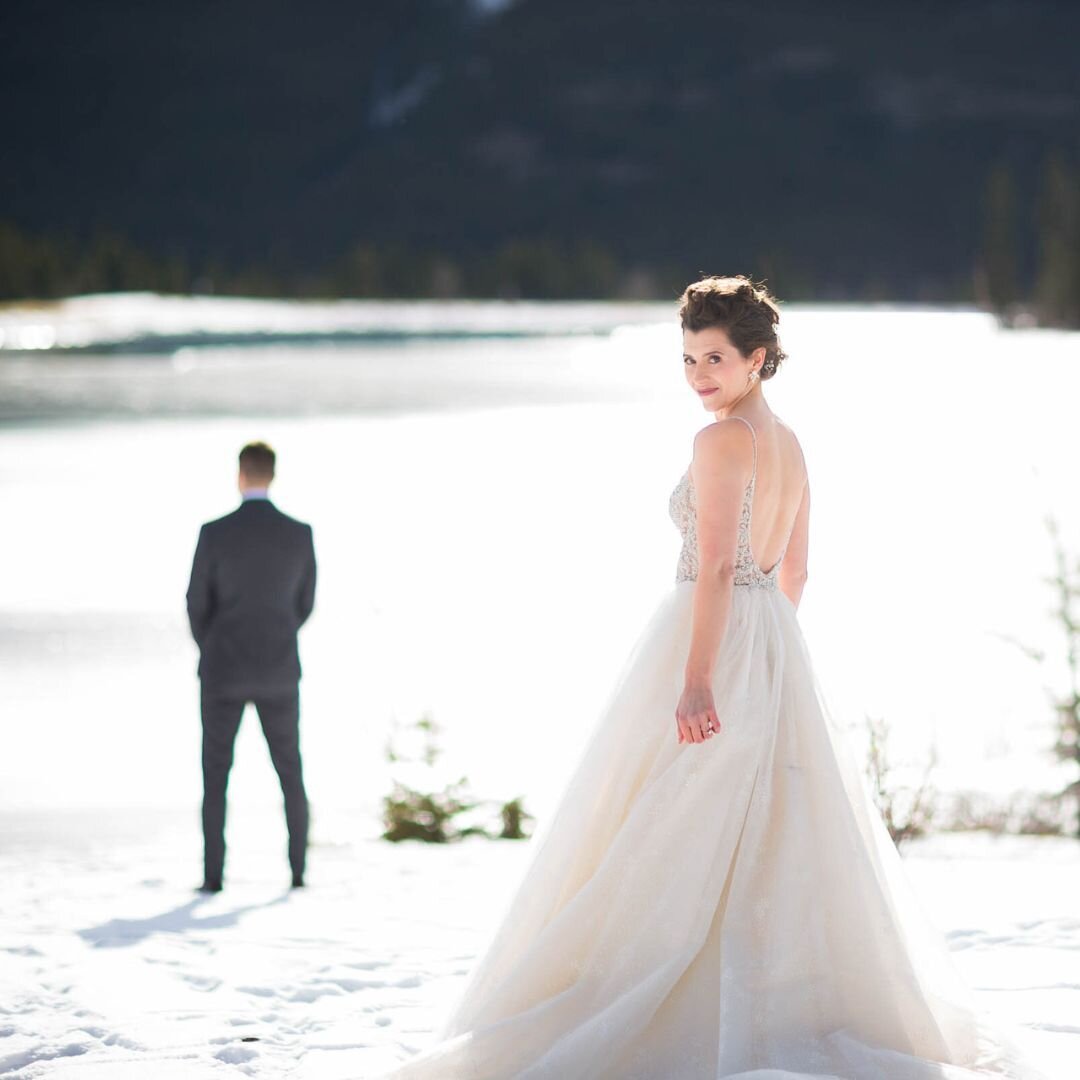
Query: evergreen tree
[[1066, 583], [998, 276], [1057, 289]]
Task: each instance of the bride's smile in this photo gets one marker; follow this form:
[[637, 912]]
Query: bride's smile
[[715, 368]]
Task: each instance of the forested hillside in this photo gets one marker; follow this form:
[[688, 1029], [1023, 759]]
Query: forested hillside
[[449, 146]]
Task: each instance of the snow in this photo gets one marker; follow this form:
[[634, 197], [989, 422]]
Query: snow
[[115, 968], [112, 967]]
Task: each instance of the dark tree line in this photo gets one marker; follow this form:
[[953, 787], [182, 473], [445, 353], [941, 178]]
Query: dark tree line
[[40, 267], [50, 266], [44, 267], [1028, 269], [1049, 292]]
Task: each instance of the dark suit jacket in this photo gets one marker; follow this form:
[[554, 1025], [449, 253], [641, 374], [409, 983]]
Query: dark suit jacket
[[252, 587]]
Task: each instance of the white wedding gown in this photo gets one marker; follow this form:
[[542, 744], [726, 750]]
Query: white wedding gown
[[726, 909]]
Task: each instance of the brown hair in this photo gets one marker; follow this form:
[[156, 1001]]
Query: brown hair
[[257, 461], [744, 311]]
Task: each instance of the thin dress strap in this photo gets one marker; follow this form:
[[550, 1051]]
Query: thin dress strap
[[753, 435]]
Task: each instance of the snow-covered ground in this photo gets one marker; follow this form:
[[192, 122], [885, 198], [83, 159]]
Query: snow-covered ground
[[113, 968], [545, 464]]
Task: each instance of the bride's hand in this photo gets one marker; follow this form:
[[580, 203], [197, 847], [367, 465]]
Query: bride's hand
[[695, 715]]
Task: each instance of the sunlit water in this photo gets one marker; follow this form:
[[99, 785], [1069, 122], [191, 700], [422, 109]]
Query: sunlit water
[[491, 527]]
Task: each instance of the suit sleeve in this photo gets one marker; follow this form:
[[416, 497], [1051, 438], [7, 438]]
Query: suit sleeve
[[201, 601], [305, 599]]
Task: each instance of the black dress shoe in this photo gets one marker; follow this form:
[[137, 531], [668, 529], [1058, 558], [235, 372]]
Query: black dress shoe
[[209, 887]]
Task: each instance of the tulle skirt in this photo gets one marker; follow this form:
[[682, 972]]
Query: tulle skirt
[[726, 909]]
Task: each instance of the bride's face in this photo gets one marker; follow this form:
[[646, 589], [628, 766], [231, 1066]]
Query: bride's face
[[716, 371]]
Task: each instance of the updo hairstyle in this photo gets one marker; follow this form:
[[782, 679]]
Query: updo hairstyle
[[744, 311]]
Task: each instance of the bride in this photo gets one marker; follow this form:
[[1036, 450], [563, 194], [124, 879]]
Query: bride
[[715, 895]]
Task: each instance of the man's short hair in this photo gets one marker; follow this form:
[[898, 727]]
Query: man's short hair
[[257, 461]]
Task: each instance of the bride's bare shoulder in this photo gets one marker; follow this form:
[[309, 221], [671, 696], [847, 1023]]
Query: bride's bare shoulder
[[792, 440], [723, 440], [785, 427]]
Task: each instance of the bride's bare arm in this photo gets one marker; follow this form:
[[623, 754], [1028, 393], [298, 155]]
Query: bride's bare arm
[[792, 576], [723, 458]]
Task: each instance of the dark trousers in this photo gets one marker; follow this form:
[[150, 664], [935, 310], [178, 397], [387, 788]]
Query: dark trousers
[[280, 719]]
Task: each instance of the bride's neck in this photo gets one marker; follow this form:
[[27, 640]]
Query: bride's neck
[[753, 401]]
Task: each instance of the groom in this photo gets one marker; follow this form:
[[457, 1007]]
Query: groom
[[252, 587]]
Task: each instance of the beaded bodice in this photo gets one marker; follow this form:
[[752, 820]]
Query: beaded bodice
[[683, 509]]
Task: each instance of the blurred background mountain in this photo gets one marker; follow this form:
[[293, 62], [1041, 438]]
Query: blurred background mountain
[[544, 148]]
